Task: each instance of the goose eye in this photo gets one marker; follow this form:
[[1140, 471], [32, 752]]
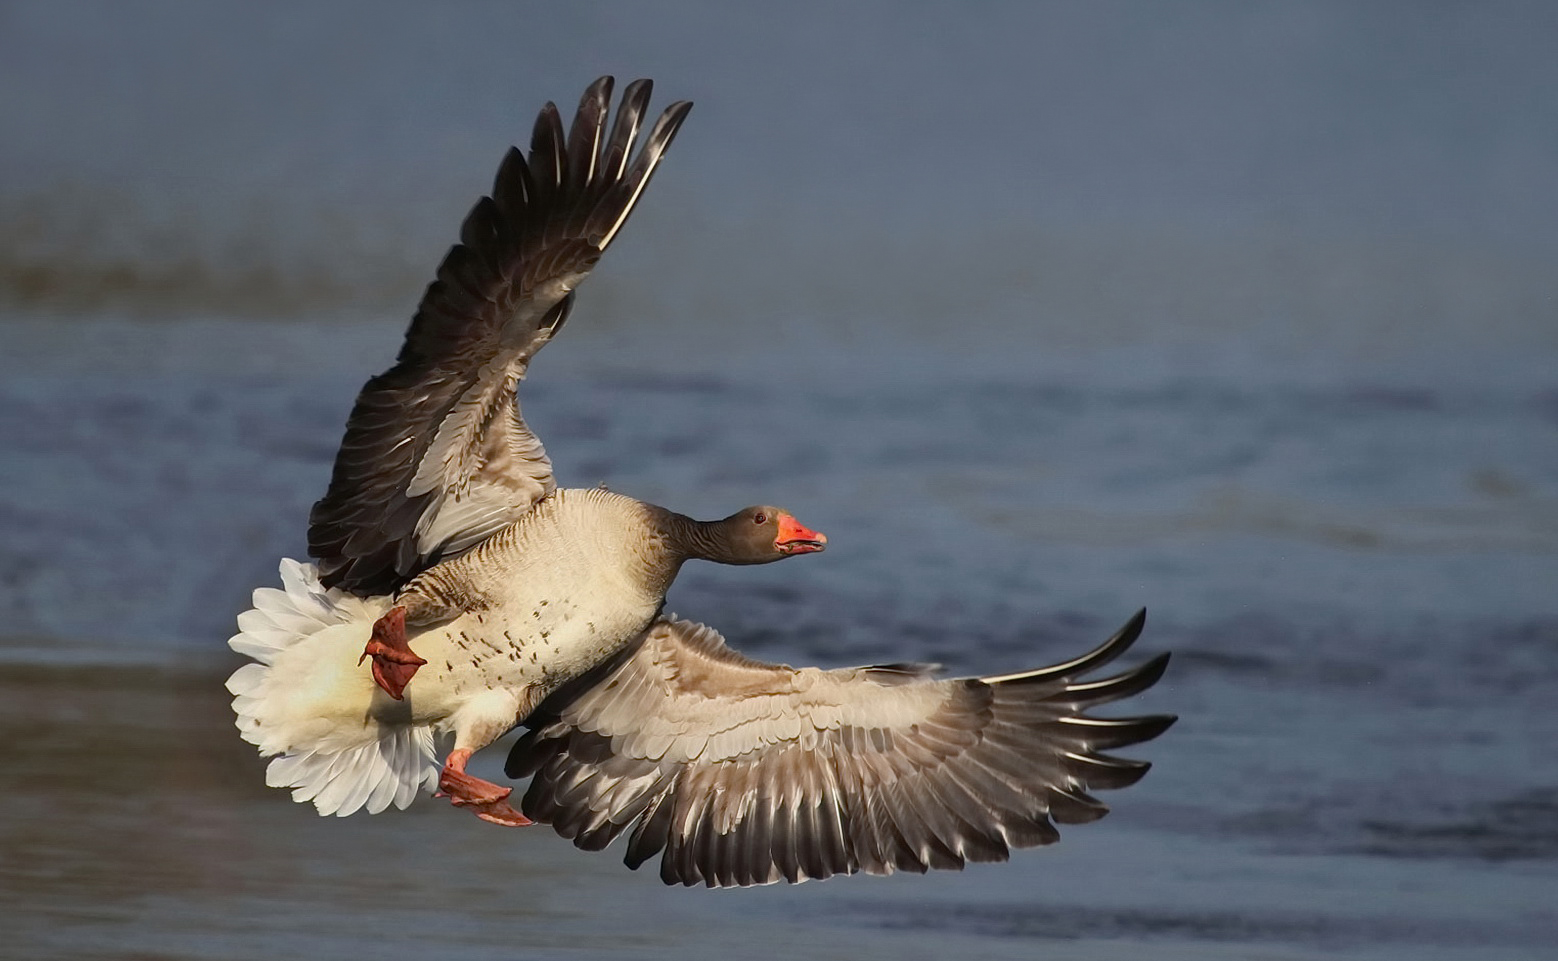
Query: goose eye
[[760, 518]]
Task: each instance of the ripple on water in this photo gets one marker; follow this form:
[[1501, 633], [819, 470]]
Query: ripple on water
[[1518, 827]]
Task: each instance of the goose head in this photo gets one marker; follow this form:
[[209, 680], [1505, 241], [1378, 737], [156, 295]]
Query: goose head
[[759, 534]]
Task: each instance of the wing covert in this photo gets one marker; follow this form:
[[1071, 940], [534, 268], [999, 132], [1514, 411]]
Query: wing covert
[[436, 455]]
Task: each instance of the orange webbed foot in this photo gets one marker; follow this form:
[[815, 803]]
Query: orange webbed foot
[[394, 664], [484, 799]]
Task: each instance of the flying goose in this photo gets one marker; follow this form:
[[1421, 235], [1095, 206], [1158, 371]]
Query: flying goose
[[457, 591]]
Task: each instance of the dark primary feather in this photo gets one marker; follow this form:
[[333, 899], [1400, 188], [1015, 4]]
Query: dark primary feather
[[436, 456], [738, 772]]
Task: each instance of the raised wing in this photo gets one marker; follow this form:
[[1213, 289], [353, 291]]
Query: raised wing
[[436, 455], [745, 773]]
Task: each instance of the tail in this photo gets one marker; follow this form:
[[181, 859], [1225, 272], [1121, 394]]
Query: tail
[[303, 702]]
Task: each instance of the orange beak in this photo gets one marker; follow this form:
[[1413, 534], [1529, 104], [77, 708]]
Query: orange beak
[[796, 538]]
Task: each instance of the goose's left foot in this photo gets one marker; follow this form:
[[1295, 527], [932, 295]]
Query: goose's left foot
[[393, 662], [484, 799]]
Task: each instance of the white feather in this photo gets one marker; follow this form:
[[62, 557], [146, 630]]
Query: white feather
[[297, 703]]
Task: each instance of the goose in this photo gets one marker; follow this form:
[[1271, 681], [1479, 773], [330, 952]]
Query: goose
[[457, 592]]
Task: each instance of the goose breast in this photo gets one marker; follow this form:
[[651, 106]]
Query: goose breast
[[549, 597]]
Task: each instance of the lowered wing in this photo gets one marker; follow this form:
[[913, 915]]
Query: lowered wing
[[739, 772]]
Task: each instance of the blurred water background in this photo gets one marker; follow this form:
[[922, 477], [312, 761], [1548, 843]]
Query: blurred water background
[[1246, 313]]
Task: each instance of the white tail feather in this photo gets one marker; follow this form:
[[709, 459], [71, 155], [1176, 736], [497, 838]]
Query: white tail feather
[[303, 701]]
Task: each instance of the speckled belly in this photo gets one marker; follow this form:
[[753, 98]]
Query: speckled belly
[[538, 645], [544, 600]]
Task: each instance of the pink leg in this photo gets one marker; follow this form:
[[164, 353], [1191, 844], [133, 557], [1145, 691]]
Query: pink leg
[[486, 800], [393, 662]]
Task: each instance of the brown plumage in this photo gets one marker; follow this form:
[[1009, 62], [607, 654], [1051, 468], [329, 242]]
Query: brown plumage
[[437, 456]]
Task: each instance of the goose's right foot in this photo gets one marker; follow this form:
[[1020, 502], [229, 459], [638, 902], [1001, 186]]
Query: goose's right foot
[[393, 662], [484, 799]]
